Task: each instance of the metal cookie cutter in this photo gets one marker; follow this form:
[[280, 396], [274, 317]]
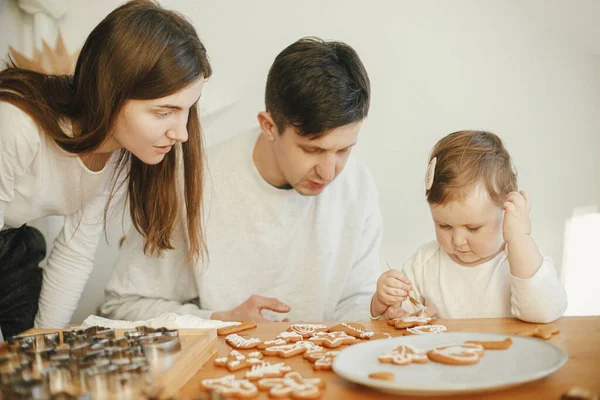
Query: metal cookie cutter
[[36, 341], [160, 351]]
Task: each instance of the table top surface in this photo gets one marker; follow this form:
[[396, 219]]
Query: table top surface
[[578, 336]]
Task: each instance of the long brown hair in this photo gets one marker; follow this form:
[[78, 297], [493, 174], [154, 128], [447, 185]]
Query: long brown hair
[[139, 51], [468, 158]]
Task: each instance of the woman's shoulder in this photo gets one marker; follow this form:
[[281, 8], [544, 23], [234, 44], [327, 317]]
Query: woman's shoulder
[[17, 128]]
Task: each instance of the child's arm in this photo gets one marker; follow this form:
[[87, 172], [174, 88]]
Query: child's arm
[[540, 298], [523, 254], [537, 294]]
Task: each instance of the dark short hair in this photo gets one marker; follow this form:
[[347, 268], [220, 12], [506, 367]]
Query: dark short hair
[[316, 86]]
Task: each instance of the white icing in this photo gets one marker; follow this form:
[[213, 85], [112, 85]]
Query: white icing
[[415, 319], [305, 329], [460, 352], [266, 368], [427, 329], [352, 328], [332, 337], [403, 354], [237, 341], [292, 382], [228, 384]]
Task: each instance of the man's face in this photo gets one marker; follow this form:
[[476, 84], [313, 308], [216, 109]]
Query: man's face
[[310, 165]]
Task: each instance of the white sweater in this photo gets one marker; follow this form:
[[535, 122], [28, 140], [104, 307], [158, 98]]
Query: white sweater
[[37, 179], [320, 254], [488, 290]]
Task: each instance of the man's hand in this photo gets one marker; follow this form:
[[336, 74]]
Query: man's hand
[[251, 309]]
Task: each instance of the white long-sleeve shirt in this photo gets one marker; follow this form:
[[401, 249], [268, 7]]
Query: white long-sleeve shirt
[[37, 179], [319, 254], [488, 290]]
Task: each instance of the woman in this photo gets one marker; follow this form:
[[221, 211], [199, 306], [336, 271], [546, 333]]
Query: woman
[[126, 121]]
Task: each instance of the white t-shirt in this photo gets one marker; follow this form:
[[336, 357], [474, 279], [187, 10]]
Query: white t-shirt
[[38, 179], [318, 254], [487, 290]]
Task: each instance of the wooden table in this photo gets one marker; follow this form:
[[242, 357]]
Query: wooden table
[[579, 337]]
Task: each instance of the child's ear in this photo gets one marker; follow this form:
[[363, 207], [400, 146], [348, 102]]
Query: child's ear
[[267, 125]]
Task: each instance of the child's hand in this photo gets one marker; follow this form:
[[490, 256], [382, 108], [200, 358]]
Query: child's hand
[[516, 222], [392, 287], [395, 311]]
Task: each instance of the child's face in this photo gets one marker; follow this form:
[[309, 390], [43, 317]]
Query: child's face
[[469, 230]]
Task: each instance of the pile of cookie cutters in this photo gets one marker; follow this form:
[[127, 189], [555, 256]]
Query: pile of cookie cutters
[[87, 364]]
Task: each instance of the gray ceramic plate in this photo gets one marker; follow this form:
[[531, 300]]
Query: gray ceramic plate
[[526, 360]]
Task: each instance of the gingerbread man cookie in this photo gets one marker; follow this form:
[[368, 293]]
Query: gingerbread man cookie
[[293, 385], [228, 386], [267, 370], [409, 322], [541, 331], [238, 342], [332, 340], [427, 329], [457, 354], [271, 343], [290, 337], [290, 349], [236, 360], [375, 335], [322, 359], [404, 355], [350, 328], [307, 330]]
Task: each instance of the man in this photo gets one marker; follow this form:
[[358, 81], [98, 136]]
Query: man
[[293, 225]]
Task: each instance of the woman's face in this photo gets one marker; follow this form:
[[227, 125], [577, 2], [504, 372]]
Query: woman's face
[[150, 128]]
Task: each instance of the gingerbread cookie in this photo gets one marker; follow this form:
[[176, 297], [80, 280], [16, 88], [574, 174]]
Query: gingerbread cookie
[[282, 338], [383, 376], [541, 331], [238, 342], [290, 349], [267, 370], [426, 329], [322, 359], [228, 386], [290, 337], [408, 322], [579, 393], [293, 385], [404, 355], [493, 345], [307, 330], [457, 354], [332, 340], [374, 335], [546, 331], [236, 328], [236, 360], [350, 328], [271, 343]]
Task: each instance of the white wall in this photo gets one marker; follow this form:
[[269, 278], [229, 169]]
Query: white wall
[[11, 26], [525, 70]]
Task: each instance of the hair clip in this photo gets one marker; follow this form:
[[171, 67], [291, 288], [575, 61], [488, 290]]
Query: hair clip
[[430, 174]]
